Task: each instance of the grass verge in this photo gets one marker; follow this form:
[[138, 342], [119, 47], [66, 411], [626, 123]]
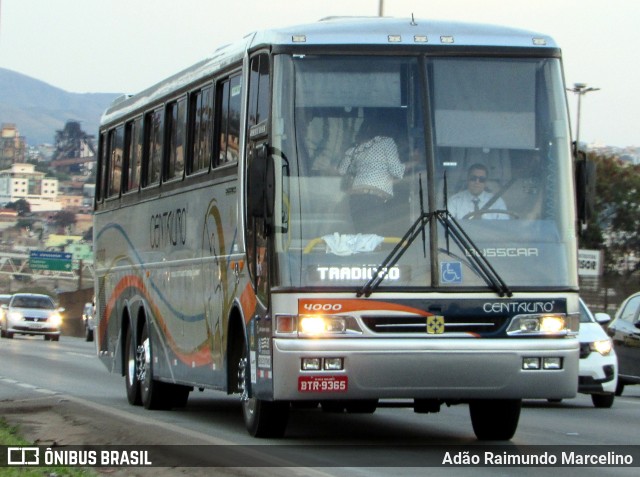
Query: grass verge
[[10, 436]]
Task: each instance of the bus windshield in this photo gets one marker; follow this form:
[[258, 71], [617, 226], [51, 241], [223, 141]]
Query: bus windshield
[[373, 143]]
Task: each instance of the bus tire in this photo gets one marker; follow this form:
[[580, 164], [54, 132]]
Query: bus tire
[[177, 394], [132, 383], [261, 418], [153, 393], [495, 420]]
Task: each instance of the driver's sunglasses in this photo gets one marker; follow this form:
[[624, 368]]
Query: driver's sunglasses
[[477, 179]]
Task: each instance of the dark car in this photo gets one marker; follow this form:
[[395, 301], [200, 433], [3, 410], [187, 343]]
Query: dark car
[[32, 314], [625, 331]]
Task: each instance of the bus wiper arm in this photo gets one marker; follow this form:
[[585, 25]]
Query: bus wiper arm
[[489, 273], [398, 251], [452, 226]]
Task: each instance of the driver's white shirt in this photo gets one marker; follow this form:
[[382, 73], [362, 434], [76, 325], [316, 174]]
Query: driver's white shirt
[[462, 204]]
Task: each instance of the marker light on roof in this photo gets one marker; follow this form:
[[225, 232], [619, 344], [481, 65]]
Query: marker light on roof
[[446, 39], [394, 38], [539, 41], [299, 38], [420, 38]]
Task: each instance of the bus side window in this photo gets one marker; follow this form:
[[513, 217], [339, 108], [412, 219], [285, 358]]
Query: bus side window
[[101, 189], [228, 100], [116, 148], [176, 115], [133, 155], [201, 127], [153, 140]]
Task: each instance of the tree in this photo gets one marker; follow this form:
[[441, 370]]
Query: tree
[[70, 140], [63, 219], [616, 220], [21, 206]]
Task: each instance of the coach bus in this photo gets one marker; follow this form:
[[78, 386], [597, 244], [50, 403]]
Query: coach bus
[[283, 221]]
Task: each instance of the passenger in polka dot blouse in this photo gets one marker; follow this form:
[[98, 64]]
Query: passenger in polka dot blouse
[[372, 165]]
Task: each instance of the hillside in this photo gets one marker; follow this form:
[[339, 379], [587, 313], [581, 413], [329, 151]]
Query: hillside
[[39, 109]]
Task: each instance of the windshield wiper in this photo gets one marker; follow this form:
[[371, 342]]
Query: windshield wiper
[[463, 240], [453, 228]]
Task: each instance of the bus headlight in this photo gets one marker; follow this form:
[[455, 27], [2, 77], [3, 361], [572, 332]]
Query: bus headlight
[[540, 324], [318, 325], [310, 326]]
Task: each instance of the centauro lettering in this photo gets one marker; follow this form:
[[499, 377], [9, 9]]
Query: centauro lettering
[[168, 228], [519, 307]]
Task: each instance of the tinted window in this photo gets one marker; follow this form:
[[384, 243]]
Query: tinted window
[[116, 148], [229, 100], [201, 125], [154, 126], [176, 138], [134, 137]]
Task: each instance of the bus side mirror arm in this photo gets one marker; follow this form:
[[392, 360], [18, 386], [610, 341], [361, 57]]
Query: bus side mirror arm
[[261, 184], [585, 180]]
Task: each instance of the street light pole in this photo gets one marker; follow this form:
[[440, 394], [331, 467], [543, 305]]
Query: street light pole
[[580, 89]]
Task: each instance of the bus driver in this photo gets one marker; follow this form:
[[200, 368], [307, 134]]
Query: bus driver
[[470, 202]]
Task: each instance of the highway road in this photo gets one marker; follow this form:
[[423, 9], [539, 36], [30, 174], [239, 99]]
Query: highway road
[[33, 370]]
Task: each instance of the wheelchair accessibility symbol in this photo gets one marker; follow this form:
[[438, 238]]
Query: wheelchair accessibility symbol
[[450, 272]]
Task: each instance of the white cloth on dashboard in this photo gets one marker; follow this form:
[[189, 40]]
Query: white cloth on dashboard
[[347, 244]]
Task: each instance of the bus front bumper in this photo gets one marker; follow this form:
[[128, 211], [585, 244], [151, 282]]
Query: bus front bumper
[[448, 369]]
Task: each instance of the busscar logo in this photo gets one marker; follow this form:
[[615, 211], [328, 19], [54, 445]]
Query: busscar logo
[[23, 456]]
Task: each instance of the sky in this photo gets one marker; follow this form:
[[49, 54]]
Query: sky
[[124, 46]]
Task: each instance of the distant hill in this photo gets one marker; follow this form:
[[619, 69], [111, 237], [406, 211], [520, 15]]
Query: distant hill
[[39, 110]]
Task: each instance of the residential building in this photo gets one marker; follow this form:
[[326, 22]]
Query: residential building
[[22, 181]]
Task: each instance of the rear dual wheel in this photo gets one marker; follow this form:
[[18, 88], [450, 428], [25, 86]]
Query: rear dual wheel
[[140, 385]]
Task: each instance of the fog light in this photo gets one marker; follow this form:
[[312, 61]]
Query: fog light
[[551, 363], [311, 364], [530, 324], [530, 363], [333, 364]]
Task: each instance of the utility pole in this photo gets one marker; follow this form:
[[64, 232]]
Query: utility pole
[[580, 89]]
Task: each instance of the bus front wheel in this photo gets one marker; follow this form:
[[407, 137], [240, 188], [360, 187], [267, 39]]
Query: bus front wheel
[[495, 420], [262, 418]]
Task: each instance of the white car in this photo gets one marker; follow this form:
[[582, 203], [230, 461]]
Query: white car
[[598, 373], [31, 314]]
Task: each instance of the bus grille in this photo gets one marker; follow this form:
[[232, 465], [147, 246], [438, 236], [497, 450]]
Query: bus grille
[[418, 324]]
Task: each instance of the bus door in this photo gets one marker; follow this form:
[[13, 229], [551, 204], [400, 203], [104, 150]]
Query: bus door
[[260, 184]]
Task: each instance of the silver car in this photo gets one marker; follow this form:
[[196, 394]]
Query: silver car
[[88, 313], [31, 314]]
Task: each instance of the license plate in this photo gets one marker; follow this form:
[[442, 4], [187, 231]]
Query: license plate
[[323, 384], [36, 325]]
